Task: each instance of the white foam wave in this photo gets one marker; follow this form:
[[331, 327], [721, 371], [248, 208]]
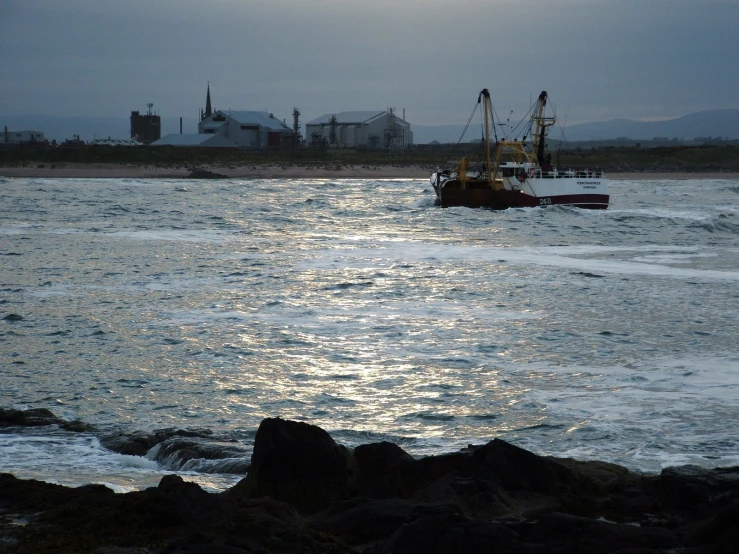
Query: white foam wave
[[566, 257], [19, 229], [671, 214], [63, 456], [72, 459]]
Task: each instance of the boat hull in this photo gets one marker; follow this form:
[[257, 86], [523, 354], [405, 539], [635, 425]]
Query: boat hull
[[569, 191]]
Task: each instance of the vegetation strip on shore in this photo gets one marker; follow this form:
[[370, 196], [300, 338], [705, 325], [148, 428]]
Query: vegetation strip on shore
[[283, 171], [682, 161]]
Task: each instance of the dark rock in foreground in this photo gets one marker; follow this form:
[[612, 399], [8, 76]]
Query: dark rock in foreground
[[38, 417], [305, 493]]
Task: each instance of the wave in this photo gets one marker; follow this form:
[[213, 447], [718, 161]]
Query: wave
[[718, 224], [201, 454], [665, 191], [721, 221]]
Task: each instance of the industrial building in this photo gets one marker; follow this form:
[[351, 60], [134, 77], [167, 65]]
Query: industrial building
[[20, 138], [248, 129], [146, 128], [370, 129]]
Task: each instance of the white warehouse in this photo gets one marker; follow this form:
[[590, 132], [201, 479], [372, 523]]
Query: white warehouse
[[372, 129], [21, 137], [247, 129]]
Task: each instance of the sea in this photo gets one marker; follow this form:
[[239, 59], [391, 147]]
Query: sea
[[362, 307]]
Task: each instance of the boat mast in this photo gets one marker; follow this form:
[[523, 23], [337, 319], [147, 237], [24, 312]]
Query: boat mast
[[542, 123], [485, 96]]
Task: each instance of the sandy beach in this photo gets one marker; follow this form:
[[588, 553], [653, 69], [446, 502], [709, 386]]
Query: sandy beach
[[260, 171], [280, 171]]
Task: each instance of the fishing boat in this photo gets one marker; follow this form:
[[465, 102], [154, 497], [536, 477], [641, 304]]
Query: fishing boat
[[518, 173]]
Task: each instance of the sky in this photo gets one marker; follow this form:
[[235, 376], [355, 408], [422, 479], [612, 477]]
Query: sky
[[597, 59]]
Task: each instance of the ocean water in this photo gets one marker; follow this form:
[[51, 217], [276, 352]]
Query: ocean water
[[362, 307]]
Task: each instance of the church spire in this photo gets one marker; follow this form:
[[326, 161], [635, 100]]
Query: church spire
[[208, 109]]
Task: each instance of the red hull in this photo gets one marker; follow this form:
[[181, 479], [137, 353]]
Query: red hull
[[504, 199]]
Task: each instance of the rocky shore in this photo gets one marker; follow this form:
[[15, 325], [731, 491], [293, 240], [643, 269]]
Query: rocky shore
[[304, 493]]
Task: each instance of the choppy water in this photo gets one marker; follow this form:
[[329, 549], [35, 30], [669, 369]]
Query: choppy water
[[362, 307]]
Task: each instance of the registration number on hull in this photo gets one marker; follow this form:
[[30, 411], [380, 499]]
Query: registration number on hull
[[545, 201]]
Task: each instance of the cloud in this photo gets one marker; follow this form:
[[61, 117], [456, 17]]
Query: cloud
[[598, 59]]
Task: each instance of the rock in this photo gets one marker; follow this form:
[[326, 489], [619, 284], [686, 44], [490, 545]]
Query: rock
[[449, 532], [197, 543], [620, 493], [138, 443], [497, 479], [688, 487], [720, 529], [35, 417], [364, 522], [381, 467], [200, 173], [574, 534], [297, 463], [292, 449], [305, 493], [12, 318], [39, 417], [516, 469], [361, 521], [176, 516], [689, 494]]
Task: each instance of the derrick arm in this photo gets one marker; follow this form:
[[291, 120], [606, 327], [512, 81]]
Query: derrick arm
[[541, 129], [485, 95]]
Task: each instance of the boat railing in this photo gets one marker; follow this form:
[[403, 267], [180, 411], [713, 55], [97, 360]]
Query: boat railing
[[569, 173]]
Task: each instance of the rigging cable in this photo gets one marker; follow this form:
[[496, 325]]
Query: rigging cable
[[493, 117], [465, 128], [562, 135], [526, 128]]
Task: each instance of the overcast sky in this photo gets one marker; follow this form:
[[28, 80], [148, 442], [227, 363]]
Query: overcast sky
[[598, 59]]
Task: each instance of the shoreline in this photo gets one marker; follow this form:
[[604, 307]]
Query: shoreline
[[304, 492], [284, 171]]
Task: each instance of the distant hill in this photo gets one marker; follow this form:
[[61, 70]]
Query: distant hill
[[713, 123], [445, 134], [88, 128]]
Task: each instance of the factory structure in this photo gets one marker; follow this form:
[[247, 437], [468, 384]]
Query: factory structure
[[146, 128], [21, 138], [237, 129], [369, 129]]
